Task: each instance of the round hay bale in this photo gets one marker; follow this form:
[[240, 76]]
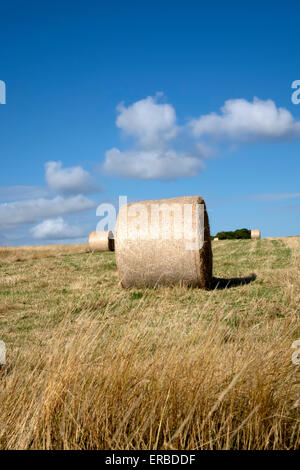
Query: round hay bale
[[216, 239], [101, 241], [168, 243], [255, 234]]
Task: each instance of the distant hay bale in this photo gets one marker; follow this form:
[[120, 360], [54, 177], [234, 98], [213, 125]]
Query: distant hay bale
[[255, 234], [216, 239], [101, 241], [154, 250]]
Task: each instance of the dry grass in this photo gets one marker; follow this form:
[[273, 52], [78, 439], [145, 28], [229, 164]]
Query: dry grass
[[93, 366], [22, 253]]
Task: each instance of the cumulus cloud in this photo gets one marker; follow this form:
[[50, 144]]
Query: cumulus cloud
[[151, 164], [22, 205], [64, 181], [242, 120], [72, 180], [17, 213], [150, 122], [56, 229], [154, 153], [153, 127]]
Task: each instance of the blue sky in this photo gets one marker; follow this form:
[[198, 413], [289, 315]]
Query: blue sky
[[171, 64]]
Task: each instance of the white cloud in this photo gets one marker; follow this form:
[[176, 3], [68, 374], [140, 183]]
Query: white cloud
[[22, 205], [25, 212], [151, 164], [72, 180], [242, 120], [56, 229], [152, 123], [153, 126], [154, 153], [65, 181]]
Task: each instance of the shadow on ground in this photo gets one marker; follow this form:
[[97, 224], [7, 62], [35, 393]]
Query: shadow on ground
[[227, 283]]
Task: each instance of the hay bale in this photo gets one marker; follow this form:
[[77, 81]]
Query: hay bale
[[255, 234], [101, 241], [146, 257], [216, 239]]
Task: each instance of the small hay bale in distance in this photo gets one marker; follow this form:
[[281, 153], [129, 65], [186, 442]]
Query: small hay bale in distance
[[146, 258], [101, 240], [255, 234]]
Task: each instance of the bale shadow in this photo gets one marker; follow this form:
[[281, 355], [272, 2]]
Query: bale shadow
[[223, 283]]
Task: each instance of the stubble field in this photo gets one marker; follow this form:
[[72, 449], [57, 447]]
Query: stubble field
[[93, 366]]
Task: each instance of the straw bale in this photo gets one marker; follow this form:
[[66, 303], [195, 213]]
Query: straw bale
[[146, 257], [101, 241], [255, 234]]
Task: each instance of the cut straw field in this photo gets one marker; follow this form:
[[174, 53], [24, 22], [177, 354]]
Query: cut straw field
[[94, 366]]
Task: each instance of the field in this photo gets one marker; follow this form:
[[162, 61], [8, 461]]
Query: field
[[94, 366]]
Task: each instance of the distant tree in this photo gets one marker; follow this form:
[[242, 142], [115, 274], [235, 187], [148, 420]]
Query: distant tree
[[240, 234], [243, 233]]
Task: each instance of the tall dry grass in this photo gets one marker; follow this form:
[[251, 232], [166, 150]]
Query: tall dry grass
[[156, 372], [91, 390]]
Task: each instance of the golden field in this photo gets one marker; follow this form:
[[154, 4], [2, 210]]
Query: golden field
[[93, 366]]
